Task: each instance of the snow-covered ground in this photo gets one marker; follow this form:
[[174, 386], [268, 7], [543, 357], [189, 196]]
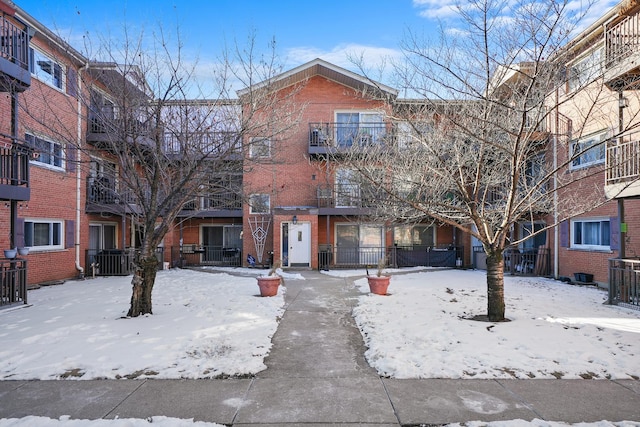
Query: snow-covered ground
[[204, 325], [208, 324], [557, 330]]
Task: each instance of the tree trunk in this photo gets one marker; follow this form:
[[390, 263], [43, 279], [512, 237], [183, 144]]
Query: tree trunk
[[143, 279], [495, 286]]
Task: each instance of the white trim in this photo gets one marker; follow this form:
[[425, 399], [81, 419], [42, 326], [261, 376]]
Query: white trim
[[590, 247]]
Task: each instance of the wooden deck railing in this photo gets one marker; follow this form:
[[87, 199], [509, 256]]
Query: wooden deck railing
[[624, 282], [622, 39]]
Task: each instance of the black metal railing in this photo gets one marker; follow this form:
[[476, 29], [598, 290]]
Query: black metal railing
[[392, 256], [193, 255], [225, 200], [115, 262], [344, 195], [14, 165], [13, 281], [345, 135], [103, 191], [624, 282], [14, 43], [207, 143]]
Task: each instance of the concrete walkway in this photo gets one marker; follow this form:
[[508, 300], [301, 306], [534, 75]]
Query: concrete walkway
[[317, 376]]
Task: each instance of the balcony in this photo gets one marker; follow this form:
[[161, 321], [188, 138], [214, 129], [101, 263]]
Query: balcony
[[14, 173], [622, 53], [622, 178], [103, 195], [336, 138], [223, 204], [346, 199], [13, 281], [227, 145], [105, 130], [14, 57]]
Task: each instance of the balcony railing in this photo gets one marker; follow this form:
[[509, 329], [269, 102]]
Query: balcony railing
[[14, 166], [212, 143], [103, 191], [347, 196], [336, 137], [115, 262], [14, 44], [623, 162], [622, 40], [624, 282], [13, 281], [224, 201]]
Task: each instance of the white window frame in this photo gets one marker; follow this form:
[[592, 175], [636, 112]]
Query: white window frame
[[599, 246], [35, 140], [586, 69], [265, 202], [39, 61], [29, 234], [260, 147], [595, 139]]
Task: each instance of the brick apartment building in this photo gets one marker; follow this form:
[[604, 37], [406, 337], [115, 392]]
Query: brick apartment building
[[295, 204]]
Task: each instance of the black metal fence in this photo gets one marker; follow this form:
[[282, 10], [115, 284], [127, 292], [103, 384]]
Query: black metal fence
[[392, 256], [198, 255], [114, 262], [624, 282], [13, 281]]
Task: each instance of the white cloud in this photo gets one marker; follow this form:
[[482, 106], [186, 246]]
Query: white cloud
[[436, 8]]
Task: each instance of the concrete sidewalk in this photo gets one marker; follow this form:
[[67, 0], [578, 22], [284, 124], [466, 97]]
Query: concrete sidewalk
[[317, 375]]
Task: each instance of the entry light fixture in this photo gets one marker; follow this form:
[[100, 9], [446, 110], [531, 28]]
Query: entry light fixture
[[295, 219]]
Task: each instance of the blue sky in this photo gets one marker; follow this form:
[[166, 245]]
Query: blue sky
[[303, 30]]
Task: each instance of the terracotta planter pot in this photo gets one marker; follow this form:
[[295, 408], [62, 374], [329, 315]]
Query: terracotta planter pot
[[268, 285], [379, 285]]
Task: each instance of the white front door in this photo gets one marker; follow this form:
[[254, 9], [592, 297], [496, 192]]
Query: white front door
[[299, 244]]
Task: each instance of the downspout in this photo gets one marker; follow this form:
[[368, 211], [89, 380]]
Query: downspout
[[79, 171], [556, 245]]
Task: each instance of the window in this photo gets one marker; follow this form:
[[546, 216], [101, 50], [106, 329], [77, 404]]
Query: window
[[585, 70], [590, 234], [45, 69], [43, 234], [532, 243], [259, 203], [360, 128], [588, 151], [46, 152], [260, 148], [418, 235]]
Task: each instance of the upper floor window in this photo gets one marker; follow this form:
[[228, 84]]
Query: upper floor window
[[585, 70], [43, 234], [46, 152], [589, 150], [590, 234], [260, 148], [46, 69], [259, 203], [359, 128]]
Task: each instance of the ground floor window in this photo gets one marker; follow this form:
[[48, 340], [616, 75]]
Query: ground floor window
[[414, 235], [359, 244], [592, 233], [43, 234]]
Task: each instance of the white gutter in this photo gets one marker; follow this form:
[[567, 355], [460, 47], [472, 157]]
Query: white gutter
[[79, 171]]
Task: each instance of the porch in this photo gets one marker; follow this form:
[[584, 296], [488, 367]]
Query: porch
[[115, 262], [624, 282], [13, 282], [202, 255], [342, 257]]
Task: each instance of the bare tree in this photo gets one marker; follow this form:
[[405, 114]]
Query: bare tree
[[481, 142], [169, 143]]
